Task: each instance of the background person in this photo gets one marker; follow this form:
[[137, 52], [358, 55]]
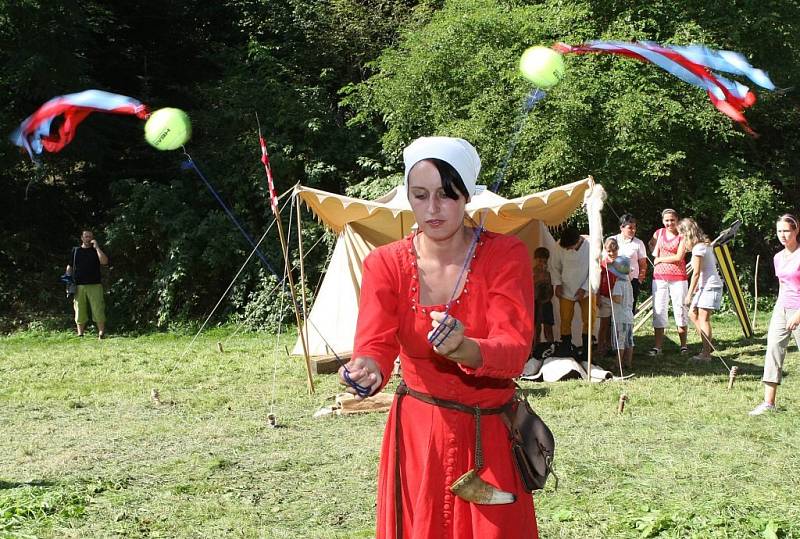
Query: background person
[[634, 250], [427, 446], [607, 281], [669, 281], [622, 307], [785, 321], [84, 266], [569, 268], [705, 289]]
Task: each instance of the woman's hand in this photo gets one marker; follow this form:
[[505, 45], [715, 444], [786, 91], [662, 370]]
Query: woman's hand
[[453, 344], [450, 337], [365, 372], [793, 322]]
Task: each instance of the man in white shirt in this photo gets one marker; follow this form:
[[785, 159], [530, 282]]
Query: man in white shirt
[[633, 248], [569, 269]]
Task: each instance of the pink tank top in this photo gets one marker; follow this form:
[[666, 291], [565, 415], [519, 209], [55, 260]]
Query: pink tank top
[[665, 247], [787, 270]]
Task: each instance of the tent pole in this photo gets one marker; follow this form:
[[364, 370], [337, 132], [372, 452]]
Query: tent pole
[[288, 267], [590, 331], [304, 329]]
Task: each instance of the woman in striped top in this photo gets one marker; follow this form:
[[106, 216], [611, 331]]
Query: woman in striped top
[[669, 280]]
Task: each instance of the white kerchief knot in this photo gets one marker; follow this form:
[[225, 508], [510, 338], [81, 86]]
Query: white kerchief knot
[[459, 153]]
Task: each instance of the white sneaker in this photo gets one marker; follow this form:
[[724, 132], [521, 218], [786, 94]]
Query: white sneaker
[[763, 408], [653, 352]]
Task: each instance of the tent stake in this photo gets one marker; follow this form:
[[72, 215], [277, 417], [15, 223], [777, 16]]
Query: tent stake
[[621, 405]]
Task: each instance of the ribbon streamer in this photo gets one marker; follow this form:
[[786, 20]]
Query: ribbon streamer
[[694, 64]]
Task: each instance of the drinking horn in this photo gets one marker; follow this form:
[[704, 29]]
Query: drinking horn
[[471, 487]]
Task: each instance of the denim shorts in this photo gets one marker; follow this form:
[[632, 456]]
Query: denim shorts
[[707, 298]]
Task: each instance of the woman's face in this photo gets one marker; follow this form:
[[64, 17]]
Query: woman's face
[[628, 231], [786, 234], [438, 216], [670, 221]]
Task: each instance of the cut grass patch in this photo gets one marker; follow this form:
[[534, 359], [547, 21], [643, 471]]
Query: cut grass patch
[[86, 451]]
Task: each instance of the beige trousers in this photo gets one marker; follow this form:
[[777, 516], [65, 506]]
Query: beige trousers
[[777, 343]]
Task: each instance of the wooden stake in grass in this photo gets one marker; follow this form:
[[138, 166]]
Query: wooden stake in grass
[[622, 400], [219, 347], [155, 397], [732, 377], [272, 421]]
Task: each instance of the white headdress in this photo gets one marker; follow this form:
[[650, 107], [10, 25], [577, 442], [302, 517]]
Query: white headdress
[[457, 152]]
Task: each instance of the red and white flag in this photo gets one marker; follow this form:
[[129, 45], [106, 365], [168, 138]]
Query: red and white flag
[[273, 197]]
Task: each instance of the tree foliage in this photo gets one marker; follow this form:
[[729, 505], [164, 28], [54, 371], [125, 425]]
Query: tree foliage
[[340, 86], [650, 139], [172, 250]]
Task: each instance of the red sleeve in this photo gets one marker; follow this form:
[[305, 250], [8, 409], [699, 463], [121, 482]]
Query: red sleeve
[[509, 313], [376, 329], [604, 289]]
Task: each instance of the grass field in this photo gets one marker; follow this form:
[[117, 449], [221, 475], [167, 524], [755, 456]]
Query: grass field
[[86, 452]]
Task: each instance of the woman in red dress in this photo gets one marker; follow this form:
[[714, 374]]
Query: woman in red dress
[[406, 288]]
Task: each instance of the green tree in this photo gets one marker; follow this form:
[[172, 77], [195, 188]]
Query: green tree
[[650, 139], [172, 250]]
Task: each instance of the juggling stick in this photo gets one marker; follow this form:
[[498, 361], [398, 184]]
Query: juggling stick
[[732, 377], [755, 287]]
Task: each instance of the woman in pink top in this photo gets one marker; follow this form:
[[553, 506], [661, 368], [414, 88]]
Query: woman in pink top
[[785, 320], [669, 280]]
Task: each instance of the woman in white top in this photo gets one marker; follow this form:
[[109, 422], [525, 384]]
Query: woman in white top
[[705, 289], [632, 247]]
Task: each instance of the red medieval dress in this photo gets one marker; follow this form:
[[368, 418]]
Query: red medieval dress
[[437, 445]]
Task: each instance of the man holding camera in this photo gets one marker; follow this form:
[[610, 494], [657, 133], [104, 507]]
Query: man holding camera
[[84, 267]]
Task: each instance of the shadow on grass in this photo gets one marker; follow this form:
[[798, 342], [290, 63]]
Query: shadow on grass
[[746, 353], [7, 485], [534, 391]]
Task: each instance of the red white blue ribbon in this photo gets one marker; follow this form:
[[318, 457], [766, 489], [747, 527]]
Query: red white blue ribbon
[[694, 64], [35, 133]]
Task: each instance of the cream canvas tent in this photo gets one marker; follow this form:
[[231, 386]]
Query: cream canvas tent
[[363, 225]]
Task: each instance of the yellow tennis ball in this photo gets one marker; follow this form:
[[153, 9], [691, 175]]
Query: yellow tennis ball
[[167, 129], [542, 66]]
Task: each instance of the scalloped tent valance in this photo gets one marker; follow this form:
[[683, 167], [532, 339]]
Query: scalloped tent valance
[[392, 211], [363, 225]]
